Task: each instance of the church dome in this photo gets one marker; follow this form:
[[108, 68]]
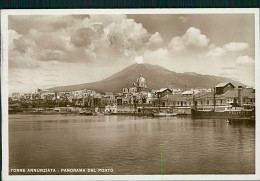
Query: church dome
[[140, 80]]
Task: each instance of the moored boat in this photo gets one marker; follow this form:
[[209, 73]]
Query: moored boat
[[242, 119], [162, 114], [98, 114], [234, 109], [228, 113], [81, 112]]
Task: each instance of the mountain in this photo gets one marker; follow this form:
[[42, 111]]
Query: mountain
[[156, 77]]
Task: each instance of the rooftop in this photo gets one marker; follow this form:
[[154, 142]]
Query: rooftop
[[223, 84], [247, 92], [190, 92]]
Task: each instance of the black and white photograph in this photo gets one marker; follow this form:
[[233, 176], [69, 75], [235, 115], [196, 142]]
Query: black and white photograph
[[125, 93]]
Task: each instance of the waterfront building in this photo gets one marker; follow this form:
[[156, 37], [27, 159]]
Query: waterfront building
[[163, 92], [176, 91], [26, 96], [108, 98], [16, 95], [77, 94], [244, 97], [151, 97], [223, 87], [87, 92], [111, 109], [190, 92]]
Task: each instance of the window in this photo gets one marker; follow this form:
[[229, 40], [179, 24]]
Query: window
[[208, 102], [201, 102]]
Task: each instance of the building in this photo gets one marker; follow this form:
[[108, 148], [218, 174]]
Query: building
[[223, 87], [16, 96], [244, 97], [190, 92], [136, 87], [110, 109], [163, 92]]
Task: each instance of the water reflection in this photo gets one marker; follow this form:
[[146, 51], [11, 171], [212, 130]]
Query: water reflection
[[131, 145]]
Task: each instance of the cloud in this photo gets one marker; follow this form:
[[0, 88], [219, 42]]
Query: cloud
[[236, 46], [96, 39], [47, 23], [107, 19], [177, 44], [184, 19], [155, 41], [216, 52], [83, 37], [192, 37], [24, 60], [49, 54], [12, 35], [156, 55], [139, 60], [245, 60], [23, 43], [229, 68], [229, 47], [127, 36]]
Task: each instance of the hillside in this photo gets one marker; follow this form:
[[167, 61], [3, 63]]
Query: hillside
[[156, 77]]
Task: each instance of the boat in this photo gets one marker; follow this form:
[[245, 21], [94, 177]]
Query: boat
[[82, 112], [98, 114], [245, 119], [229, 112], [162, 114], [88, 113]]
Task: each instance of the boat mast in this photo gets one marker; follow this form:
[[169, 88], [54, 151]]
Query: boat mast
[[159, 101], [193, 99], [214, 99]]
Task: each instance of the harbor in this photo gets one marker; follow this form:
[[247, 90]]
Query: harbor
[[131, 144]]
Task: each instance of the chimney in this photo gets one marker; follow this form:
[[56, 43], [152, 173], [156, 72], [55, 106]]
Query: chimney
[[240, 89]]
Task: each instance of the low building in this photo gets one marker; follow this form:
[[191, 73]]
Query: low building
[[190, 92], [111, 109], [163, 92], [244, 97], [223, 87]]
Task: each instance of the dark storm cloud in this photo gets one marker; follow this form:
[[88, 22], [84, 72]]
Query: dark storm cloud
[[82, 37]]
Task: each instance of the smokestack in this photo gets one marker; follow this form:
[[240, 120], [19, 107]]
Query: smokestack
[[240, 88]]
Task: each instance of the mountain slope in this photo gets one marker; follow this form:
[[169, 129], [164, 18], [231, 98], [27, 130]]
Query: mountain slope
[[156, 77]]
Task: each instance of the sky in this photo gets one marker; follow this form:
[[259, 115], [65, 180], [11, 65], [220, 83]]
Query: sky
[[53, 50]]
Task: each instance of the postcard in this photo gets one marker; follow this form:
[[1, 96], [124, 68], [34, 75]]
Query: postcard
[[130, 94]]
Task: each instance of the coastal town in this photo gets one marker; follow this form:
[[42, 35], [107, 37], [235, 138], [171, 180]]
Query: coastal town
[[135, 99]]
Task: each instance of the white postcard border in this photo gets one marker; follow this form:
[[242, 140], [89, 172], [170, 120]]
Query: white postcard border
[[4, 93]]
